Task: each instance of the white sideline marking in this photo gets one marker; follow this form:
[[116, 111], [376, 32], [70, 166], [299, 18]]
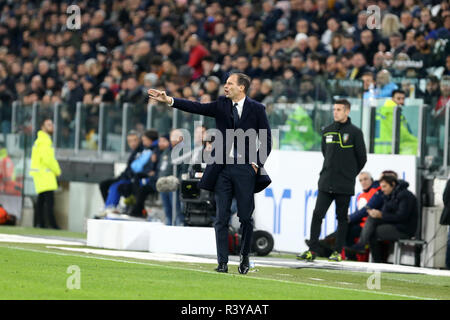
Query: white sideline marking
[[164, 257], [221, 274], [35, 240]]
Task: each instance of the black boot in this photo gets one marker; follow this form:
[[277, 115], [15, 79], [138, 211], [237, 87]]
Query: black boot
[[244, 265], [222, 267]]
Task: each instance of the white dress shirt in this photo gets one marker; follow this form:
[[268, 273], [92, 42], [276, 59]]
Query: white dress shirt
[[240, 106]]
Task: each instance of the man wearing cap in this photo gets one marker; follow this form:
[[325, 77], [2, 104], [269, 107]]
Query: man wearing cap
[[237, 172]]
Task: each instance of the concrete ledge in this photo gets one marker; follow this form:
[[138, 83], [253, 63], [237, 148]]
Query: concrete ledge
[[183, 240], [150, 236], [119, 234]]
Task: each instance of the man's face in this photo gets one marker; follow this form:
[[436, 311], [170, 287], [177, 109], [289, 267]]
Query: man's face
[[146, 141], [358, 61], [406, 19], [365, 181], [175, 137], [47, 126], [394, 41], [331, 64], [367, 80], [133, 141], [232, 89], [386, 188], [421, 42], [340, 113], [399, 99], [432, 86], [366, 37], [382, 78], [242, 63], [163, 143]]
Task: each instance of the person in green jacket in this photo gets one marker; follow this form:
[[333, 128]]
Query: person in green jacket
[[301, 135], [383, 128], [44, 170]]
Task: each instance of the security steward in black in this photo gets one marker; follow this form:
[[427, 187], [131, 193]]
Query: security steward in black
[[345, 155]]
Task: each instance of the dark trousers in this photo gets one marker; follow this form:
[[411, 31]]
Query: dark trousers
[[377, 231], [44, 216], [104, 187], [238, 181], [447, 254], [324, 200], [353, 232], [141, 195]]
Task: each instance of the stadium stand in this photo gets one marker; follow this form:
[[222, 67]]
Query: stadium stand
[[301, 55]]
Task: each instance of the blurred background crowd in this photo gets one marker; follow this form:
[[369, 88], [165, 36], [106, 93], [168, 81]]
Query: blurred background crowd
[[188, 48]]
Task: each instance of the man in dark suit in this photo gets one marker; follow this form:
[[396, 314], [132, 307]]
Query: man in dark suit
[[236, 169]]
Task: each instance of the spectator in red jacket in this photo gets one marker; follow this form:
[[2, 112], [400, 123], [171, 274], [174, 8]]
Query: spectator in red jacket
[[196, 54]]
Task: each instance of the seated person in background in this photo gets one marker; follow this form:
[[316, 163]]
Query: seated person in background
[[356, 219], [370, 197], [166, 168], [135, 146], [384, 85], [144, 182], [197, 154], [360, 216], [123, 187], [397, 218]]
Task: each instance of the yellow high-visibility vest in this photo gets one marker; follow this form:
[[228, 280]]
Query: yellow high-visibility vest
[[44, 167], [384, 121]]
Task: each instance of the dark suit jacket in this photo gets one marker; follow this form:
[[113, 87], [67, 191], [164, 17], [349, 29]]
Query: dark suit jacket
[[253, 117]]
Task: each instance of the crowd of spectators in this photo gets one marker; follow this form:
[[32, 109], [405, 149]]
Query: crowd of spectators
[[188, 47]]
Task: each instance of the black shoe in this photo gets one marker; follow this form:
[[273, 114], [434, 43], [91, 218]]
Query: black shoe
[[222, 267], [244, 265], [354, 249]]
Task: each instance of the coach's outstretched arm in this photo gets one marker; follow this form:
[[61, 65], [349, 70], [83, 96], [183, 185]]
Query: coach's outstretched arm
[[205, 109]]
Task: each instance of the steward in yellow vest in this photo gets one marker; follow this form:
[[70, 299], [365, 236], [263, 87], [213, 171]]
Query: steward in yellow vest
[[44, 170], [383, 128]]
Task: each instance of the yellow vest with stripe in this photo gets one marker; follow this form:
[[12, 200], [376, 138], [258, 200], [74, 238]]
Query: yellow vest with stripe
[[383, 131], [44, 167]]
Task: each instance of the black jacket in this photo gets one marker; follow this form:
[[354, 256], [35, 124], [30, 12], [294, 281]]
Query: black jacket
[[400, 209], [445, 216], [344, 154], [128, 172], [253, 117]]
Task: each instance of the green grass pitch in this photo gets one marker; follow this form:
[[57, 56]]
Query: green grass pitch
[[34, 271]]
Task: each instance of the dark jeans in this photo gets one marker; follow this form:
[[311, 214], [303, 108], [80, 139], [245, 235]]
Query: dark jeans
[[142, 193], [353, 232], [324, 200], [44, 216], [376, 231]]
